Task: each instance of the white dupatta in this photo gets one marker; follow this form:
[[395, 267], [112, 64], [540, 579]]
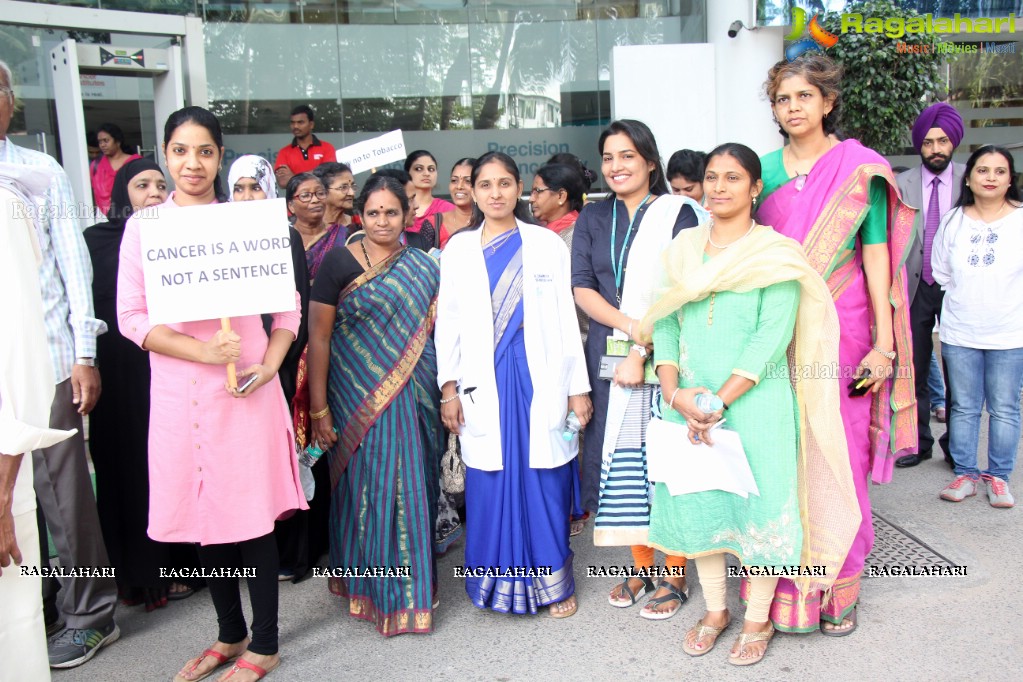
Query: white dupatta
[[644, 279]]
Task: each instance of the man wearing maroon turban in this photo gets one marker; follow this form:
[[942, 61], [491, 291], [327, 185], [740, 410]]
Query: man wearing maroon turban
[[933, 187]]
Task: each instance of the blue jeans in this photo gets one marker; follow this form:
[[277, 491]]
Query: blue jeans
[[976, 376], [935, 383]]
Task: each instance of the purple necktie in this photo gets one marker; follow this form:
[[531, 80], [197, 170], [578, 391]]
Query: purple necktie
[[931, 221]]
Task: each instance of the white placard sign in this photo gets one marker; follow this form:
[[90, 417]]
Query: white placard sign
[[372, 153], [221, 260]]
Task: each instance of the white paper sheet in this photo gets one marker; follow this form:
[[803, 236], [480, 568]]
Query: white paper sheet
[[217, 260], [687, 468]]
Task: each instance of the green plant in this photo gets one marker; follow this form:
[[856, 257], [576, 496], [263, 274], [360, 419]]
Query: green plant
[[886, 83]]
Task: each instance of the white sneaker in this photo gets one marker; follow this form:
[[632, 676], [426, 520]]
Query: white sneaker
[[958, 490], [998, 492]]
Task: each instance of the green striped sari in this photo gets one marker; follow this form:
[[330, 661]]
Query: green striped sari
[[382, 391]]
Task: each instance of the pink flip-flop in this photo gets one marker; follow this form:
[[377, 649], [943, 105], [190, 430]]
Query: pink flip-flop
[[222, 660], [242, 664]]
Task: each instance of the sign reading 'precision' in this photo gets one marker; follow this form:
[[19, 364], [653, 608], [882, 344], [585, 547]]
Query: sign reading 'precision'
[[221, 260]]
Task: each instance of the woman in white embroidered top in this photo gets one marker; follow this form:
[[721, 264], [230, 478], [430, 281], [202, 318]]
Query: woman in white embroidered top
[[978, 260], [511, 368]]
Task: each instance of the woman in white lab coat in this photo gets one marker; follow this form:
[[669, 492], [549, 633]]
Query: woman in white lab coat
[[511, 368]]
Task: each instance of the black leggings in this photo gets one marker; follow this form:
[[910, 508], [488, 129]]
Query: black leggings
[[259, 554]]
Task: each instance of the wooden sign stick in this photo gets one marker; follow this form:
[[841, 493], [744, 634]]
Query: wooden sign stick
[[232, 376]]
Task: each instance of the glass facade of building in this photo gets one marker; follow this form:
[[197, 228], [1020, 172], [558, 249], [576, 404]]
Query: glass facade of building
[[459, 77]]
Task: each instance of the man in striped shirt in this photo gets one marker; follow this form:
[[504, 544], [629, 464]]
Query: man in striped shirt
[[62, 482]]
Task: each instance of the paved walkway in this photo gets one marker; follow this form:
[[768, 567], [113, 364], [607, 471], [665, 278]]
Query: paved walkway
[[922, 628]]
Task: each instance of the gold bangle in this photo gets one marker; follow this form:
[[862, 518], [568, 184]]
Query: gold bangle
[[321, 414]]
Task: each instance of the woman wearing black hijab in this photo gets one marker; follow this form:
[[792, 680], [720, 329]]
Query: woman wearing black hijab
[[119, 425]]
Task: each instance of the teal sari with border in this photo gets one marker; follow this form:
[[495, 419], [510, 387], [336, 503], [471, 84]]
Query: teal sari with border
[[384, 469]]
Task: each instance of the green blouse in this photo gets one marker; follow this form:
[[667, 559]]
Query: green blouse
[[874, 229]]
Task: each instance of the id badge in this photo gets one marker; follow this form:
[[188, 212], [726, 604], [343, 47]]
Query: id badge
[[617, 350]]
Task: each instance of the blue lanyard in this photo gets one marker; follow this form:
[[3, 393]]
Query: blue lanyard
[[618, 267]]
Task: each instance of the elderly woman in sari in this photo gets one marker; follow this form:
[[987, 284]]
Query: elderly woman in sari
[[372, 375], [839, 200], [511, 369], [447, 526], [337, 178], [306, 195], [738, 294]]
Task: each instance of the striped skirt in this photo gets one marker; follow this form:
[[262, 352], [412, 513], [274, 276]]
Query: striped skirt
[[623, 512]]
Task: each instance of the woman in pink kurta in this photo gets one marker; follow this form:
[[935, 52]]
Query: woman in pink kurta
[[222, 462], [222, 470]]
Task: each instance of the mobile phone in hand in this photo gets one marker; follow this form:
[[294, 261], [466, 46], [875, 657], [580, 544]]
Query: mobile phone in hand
[[248, 382], [859, 386]]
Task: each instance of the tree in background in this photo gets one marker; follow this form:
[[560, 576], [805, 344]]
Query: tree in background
[[884, 88]]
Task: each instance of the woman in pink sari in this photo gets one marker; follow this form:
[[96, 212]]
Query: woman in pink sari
[[839, 199]]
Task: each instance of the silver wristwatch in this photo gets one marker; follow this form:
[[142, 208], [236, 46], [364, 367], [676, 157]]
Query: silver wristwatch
[[641, 349], [87, 362], [890, 354]]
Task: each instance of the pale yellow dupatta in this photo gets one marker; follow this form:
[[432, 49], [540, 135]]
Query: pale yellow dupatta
[[828, 507]]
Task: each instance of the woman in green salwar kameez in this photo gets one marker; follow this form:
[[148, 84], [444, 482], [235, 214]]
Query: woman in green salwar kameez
[[738, 292]]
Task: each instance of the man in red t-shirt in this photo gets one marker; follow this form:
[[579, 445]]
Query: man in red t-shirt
[[306, 151]]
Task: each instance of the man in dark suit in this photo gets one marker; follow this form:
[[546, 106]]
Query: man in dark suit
[[934, 187]]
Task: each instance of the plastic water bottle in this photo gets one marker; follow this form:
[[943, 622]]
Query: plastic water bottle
[[305, 472], [307, 458], [310, 455], [572, 426], [709, 402]]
